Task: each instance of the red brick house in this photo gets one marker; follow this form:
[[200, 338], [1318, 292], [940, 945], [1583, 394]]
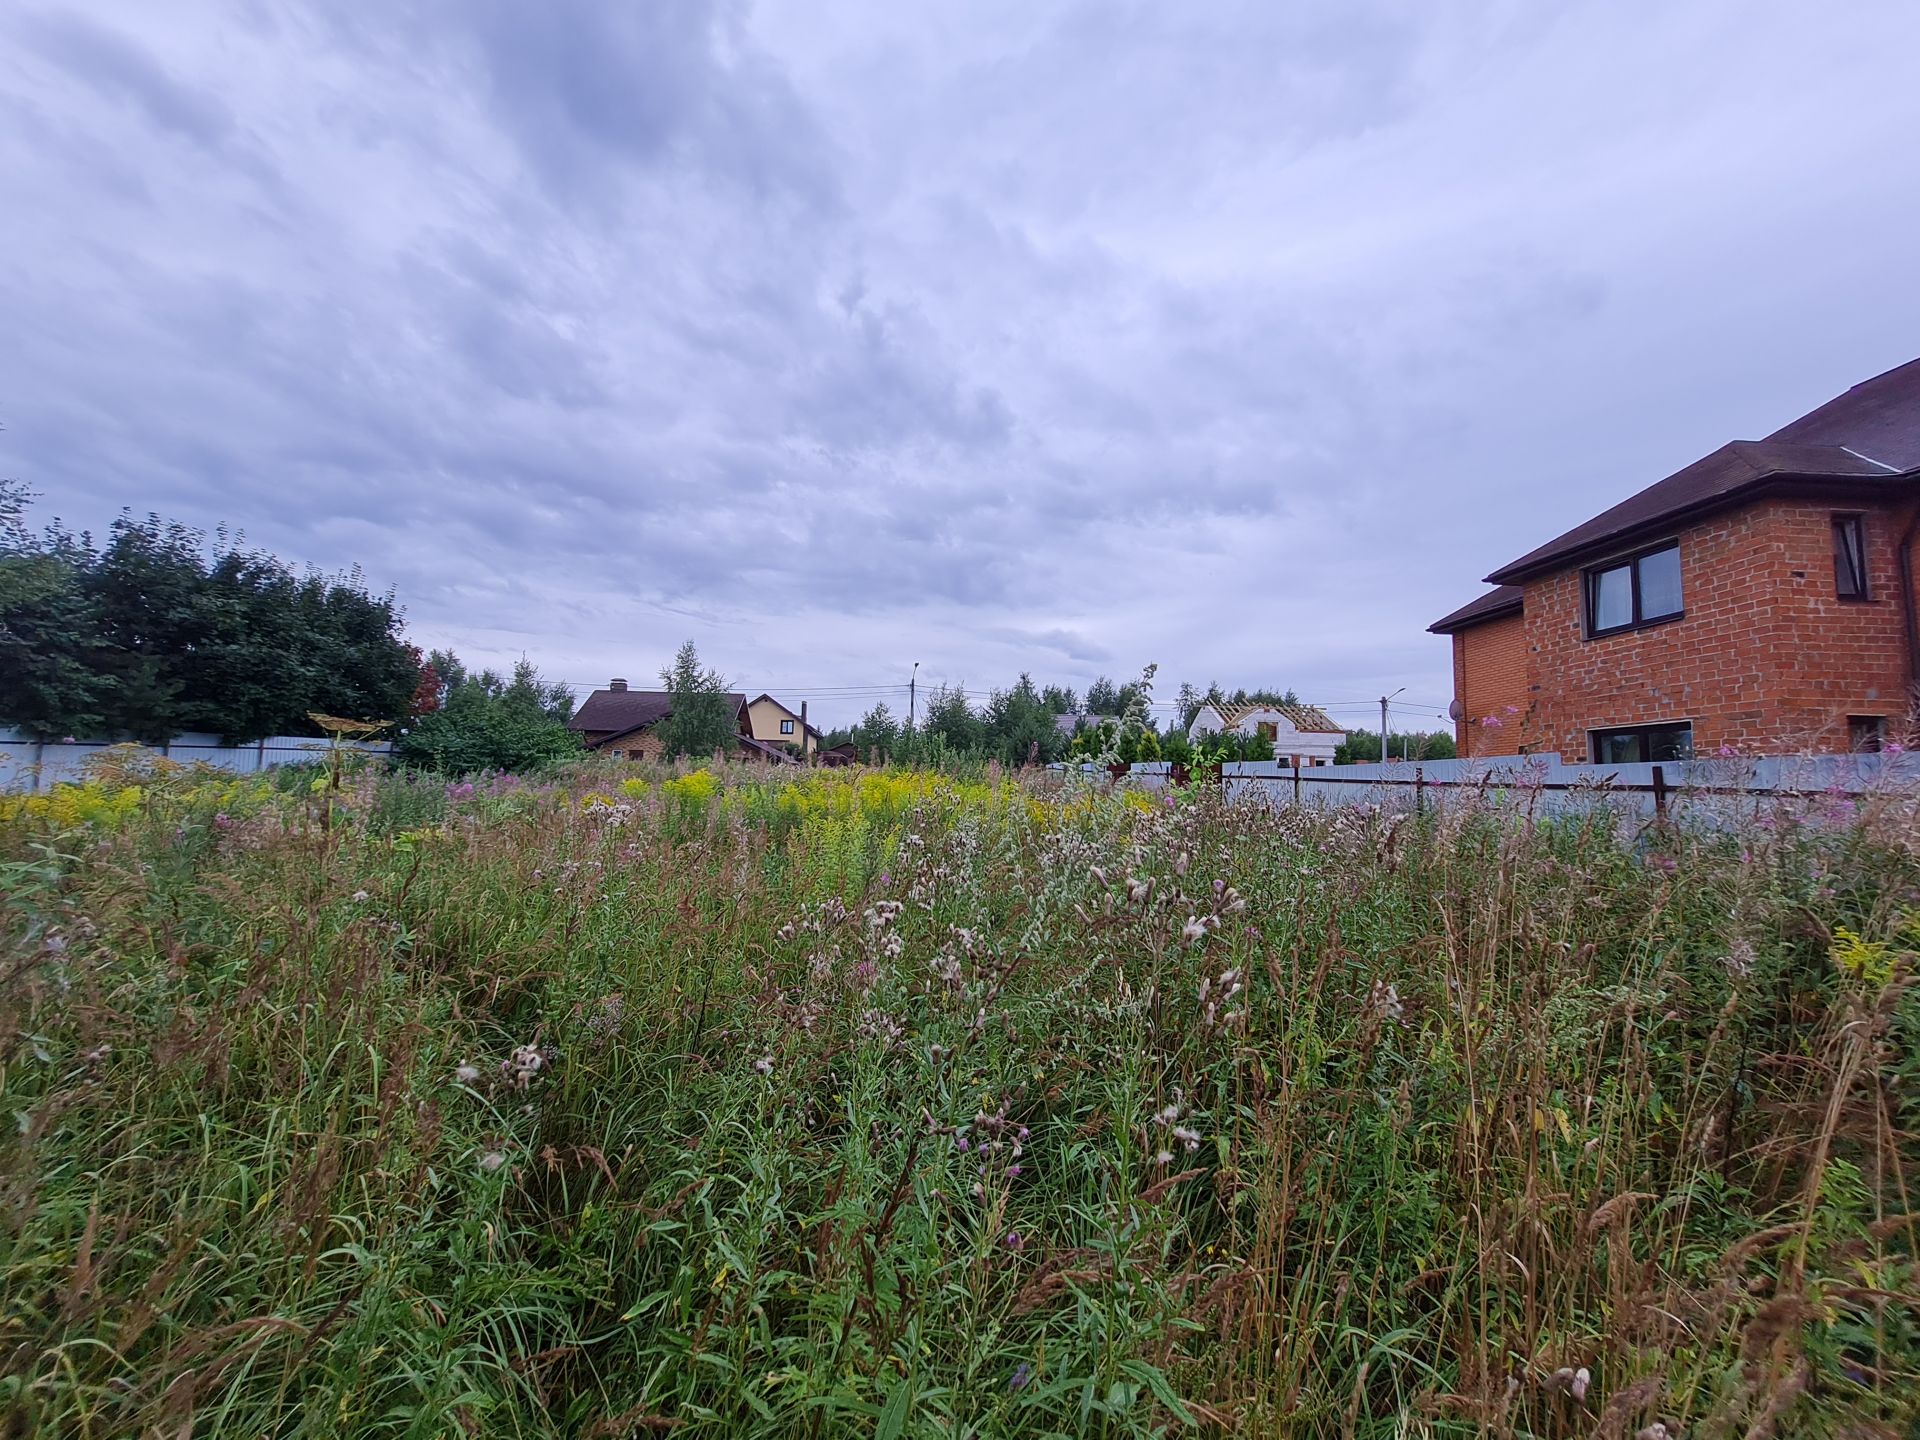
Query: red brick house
[[1762, 598]]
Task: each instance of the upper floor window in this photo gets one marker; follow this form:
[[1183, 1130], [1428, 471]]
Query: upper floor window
[[1637, 591], [786, 727], [1850, 557]]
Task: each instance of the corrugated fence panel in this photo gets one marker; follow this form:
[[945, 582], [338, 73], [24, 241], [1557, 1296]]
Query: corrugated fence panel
[[1714, 790], [27, 764]]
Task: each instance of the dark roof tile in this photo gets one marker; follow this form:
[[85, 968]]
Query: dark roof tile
[[1490, 606], [617, 712]]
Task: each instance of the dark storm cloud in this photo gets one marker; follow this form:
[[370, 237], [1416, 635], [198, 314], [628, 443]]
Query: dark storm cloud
[[1051, 337]]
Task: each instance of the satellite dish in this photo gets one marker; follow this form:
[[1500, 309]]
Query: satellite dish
[[1453, 712]]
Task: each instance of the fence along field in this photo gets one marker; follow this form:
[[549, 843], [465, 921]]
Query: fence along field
[[29, 764], [621, 1102]]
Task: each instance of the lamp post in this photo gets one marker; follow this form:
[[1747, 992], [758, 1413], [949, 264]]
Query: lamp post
[[1384, 757]]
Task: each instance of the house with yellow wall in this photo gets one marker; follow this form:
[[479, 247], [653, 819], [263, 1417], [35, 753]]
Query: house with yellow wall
[[774, 724]]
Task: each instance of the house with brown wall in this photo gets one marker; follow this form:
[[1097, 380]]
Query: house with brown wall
[[1762, 598]]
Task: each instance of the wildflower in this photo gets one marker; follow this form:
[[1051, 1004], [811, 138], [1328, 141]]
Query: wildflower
[[1163, 1157], [359, 896], [466, 1074], [1194, 931], [1383, 1003], [492, 1161], [764, 1065], [1574, 1382], [960, 1142], [1740, 958], [524, 1065], [1015, 1241], [1021, 1376], [1187, 1136], [222, 820]]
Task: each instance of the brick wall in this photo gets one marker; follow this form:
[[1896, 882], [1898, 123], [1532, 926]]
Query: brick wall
[[1766, 657], [1490, 683]]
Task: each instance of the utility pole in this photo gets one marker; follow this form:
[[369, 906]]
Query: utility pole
[[1384, 756], [913, 684]]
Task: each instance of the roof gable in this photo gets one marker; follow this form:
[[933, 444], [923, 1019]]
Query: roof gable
[[1308, 719]]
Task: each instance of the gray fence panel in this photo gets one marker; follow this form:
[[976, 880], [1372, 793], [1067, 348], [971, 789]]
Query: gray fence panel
[[27, 764]]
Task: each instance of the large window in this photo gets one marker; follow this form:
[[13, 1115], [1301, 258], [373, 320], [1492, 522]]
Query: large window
[[1641, 590], [1630, 744], [1850, 557]]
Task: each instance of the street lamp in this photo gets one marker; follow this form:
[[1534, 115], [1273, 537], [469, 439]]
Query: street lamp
[[1383, 722]]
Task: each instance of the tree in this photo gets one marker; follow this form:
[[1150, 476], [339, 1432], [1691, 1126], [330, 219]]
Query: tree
[[51, 654], [1103, 698], [952, 721], [878, 732], [703, 719], [1362, 747], [1061, 700], [1019, 725], [484, 722], [1188, 701], [156, 633]]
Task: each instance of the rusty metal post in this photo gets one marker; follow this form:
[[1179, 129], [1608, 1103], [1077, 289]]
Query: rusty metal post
[[1296, 782], [1420, 787], [1659, 793]]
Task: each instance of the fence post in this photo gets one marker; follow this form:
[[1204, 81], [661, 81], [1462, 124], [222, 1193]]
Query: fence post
[[1420, 787], [1659, 793], [1296, 782], [39, 760]]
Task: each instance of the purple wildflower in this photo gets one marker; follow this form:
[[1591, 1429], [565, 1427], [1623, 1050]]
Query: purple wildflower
[[1020, 1377]]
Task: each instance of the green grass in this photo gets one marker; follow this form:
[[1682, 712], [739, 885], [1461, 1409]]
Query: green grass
[[1482, 1103]]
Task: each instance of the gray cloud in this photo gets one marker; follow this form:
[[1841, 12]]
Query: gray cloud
[[117, 68], [1049, 337]]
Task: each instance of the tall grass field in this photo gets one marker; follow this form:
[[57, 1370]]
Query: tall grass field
[[627, 1103]]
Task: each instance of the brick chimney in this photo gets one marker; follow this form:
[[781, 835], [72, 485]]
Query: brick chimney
[[616, 684]]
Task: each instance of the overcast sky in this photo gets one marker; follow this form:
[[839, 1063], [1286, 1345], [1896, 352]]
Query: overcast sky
[[1001, 335]]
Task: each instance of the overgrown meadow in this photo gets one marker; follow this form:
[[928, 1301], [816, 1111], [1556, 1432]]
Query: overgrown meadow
[[894, 1104]]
